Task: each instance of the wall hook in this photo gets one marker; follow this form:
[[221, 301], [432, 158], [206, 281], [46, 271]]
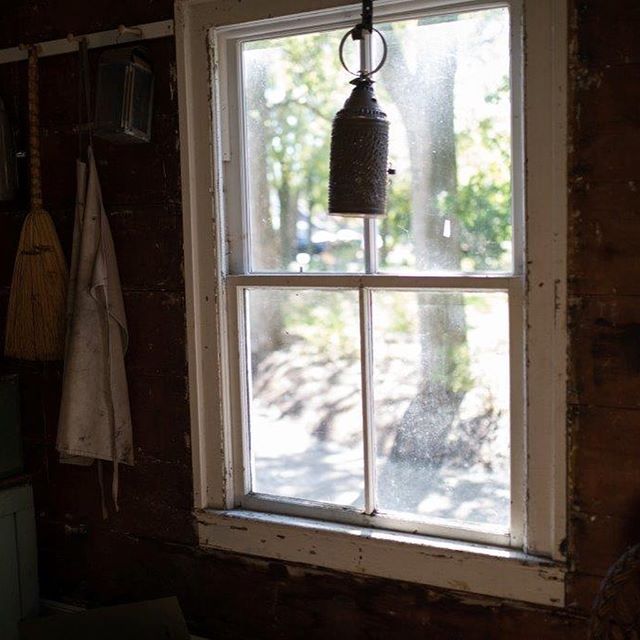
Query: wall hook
[[73, 38], [27, 47], [133, 31]]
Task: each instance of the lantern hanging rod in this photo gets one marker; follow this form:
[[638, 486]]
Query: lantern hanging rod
[[363, 32], [119, 35], [367, 21]]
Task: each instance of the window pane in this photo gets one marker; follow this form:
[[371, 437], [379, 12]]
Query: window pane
[[305, 403], [441, 387], [292, 88], [445, 88]]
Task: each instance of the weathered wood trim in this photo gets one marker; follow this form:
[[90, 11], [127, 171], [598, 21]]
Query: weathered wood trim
[[202, 244], [484, 570], [378, 281], [137, 33], [465, 567], [545, 74]]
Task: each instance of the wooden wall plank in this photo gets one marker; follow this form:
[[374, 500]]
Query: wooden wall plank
[[25, 526], [10, 604]]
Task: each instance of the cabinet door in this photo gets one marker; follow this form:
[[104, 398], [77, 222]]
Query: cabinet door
[[18, 560], [10, 604]]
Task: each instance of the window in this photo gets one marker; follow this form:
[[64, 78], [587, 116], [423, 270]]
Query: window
[[374, 356], [367, 393]]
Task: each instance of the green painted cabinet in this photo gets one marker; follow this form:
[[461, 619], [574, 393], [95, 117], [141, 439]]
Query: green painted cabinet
[[18, 559]]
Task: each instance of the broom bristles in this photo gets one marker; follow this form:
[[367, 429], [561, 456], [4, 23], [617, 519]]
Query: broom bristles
[[36, 316]]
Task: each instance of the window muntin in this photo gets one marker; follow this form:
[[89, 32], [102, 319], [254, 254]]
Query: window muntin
[[481, 498]]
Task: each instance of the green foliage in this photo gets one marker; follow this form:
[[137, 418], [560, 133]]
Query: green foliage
[[297, 93], [303, 88], [483, 202], [458, 376], [484, 207], [325, 321], [500, 92]]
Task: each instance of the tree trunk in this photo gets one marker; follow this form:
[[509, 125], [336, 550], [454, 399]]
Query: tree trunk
[[426, 104], [288, 199]]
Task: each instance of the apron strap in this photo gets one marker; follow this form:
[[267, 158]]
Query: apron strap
[[85, 123], [105, 513]]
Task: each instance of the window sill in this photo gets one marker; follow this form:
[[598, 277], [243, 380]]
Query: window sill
[[460, 566]]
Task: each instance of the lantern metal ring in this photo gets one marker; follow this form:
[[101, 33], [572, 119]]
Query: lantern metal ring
[[362, 74]]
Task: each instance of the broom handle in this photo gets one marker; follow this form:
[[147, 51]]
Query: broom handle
[[34, 130]]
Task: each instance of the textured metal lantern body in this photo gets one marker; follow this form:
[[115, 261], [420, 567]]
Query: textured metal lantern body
[[359, 155], [124, 96]]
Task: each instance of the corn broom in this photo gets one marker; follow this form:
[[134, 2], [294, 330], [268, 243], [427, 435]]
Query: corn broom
[[37, 302]]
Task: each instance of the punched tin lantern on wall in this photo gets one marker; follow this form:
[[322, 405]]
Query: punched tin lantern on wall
[[124, 96], [360, 136]]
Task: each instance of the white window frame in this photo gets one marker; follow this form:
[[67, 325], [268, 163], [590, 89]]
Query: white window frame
[[529, 566]]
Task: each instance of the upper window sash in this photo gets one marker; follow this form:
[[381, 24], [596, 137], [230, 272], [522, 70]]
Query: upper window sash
[[231, 135]]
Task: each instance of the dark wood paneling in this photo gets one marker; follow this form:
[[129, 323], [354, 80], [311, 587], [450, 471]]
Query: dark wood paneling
[[605, 250], [605, 350], [156, 321], [149, 247], [29, 21], [226, 596]]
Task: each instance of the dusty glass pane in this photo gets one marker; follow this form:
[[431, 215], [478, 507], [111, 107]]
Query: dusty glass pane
[[292, 88], [305, 403], [441, 387], [446, 90]]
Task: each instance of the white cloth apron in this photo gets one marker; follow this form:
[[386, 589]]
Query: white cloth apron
[[95, 419]]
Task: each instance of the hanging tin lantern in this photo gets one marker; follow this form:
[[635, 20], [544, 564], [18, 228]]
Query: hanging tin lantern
[[360, 136], [124, 96]]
